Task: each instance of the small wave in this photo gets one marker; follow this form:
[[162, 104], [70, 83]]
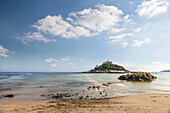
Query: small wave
[[120, 85], [3, 77], [19, 77]]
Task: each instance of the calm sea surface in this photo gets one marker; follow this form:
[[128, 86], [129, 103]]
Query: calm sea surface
[[37, 84]]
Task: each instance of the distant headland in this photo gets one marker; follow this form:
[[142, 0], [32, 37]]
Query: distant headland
[[165, 71], [108, 67]]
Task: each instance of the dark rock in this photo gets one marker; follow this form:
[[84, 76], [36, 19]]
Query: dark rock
[[138, 76], [81, 97], [10, 95], [21, 84]]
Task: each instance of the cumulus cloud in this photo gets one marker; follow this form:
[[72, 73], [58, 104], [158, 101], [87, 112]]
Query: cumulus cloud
[[54, 25], [51, 60], [77, 31], [153, 8], [127, 19], [66, 58], [156, 63], [137, 30], [85, 23], [29, 37], [53, 65], [116, 30], [119, 37], [131, 3], [99, 19], [59, 62], [152, 67], [124, 44], [138, 43], [4, 52]]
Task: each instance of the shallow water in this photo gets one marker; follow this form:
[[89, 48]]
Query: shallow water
[[37, 84]]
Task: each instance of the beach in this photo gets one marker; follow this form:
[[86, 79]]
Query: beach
[[78, 93], [145, 103]]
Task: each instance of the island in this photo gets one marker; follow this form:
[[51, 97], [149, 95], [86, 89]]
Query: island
[[165, 71], [107, 67], [138, 76]]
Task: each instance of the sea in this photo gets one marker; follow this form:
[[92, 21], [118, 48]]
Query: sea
[[41, 85]]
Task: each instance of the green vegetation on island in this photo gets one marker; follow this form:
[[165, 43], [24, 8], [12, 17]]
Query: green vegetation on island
[[108, 67]]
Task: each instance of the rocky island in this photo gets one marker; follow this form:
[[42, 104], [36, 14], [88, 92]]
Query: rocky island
[[138, 76], [108, 67]]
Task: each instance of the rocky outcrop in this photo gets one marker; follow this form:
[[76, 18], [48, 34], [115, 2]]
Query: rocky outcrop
[[138, 76]]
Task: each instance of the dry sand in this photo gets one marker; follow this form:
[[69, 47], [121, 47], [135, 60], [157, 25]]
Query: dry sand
[[146, 103]]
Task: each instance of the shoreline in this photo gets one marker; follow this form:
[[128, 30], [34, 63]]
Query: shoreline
[[144, 103]]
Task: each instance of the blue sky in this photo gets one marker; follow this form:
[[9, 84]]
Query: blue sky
[[74, 35]]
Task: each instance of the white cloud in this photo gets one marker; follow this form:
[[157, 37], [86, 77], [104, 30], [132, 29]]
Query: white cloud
[[29, 37], [88, 22], [131, 3], [125, 44], [70, 63], [127, 19], [99, 19], [62, 62], [116, 30], [78, 31], [54, 25], [119, 37], [138, 43], [148, 67], [137, 30], [153, 8], [66, 58], [53, 65], [51, 60], [69, 19], [156, 63], [4, 52]]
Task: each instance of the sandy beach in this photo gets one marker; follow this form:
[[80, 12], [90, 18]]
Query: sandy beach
[[146, 103]]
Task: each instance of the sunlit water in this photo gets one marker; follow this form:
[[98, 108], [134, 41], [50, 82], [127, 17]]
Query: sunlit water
[[37, 84]]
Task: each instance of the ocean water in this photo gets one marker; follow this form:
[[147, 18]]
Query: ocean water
[[37, 84]]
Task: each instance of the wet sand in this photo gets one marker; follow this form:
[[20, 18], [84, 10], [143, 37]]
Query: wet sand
[[146, 103]]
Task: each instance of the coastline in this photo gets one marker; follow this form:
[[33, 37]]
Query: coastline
[[144, 103]]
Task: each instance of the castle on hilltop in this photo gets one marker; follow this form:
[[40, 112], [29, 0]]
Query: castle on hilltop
[[108, 62]]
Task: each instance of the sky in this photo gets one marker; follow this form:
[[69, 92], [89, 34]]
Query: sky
[[77, 35]]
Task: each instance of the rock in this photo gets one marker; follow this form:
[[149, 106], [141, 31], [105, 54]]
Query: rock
[[57, 96], [42, 87], [81, 97], [21, 84], [10, 95], [138, 76]]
